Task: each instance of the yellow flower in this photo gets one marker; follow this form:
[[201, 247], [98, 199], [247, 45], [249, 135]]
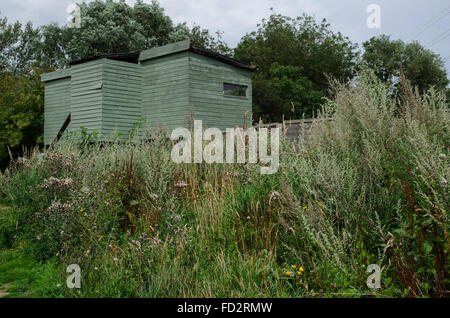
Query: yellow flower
[[289, 273], [85, 214], [299, 273], [301, 269], [321, 205], [294, 266], [306, 287], [82, 210], [305, 208]]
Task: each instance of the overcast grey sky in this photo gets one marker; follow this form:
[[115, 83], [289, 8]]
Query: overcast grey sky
[[402, 19]]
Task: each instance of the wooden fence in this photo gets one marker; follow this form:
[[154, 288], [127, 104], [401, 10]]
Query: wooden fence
[[295, 129]]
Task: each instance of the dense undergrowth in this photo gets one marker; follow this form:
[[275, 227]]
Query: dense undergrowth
[[369, 187]]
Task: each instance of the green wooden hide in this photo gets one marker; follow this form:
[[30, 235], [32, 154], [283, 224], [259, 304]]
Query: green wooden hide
[[164, 87]]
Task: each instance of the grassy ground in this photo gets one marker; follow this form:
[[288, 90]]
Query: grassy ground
[[21, 276]]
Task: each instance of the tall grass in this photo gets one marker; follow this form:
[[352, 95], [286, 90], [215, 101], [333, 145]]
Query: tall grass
[[368, 187]]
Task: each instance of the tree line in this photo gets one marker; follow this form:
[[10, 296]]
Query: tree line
[[296, 58]]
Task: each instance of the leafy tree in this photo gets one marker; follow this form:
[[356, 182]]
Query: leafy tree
[[113, 27], [21, 113], [19, 47], [9, 35], [388, 58], [203, 38], [110, 27], [54, 46], [305, 52], [294, 92]]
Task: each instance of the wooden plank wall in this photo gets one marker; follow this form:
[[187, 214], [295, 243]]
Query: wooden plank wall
[[206, 99], [122, 106], [57, 107], [165, 91], [86, 96]]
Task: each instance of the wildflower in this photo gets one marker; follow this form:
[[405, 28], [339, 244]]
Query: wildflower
[[59, 285], [321, 205], [299, 273], [288, 273], [59, 208], [274, 195], [82, 210], [56, 183], [85, 214], [38, 237], [115, 259], [306, 287], [294, 266], [301, 269], [305, 208], [442, 155], [96, 268]]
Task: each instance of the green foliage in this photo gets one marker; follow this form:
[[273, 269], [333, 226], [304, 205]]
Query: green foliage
[[117, 27], [21, 113], [19, 47], [106, 27], [203, 38], [301, 43], [297, 95], [389, 58], [368, 187], [24, 277]]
